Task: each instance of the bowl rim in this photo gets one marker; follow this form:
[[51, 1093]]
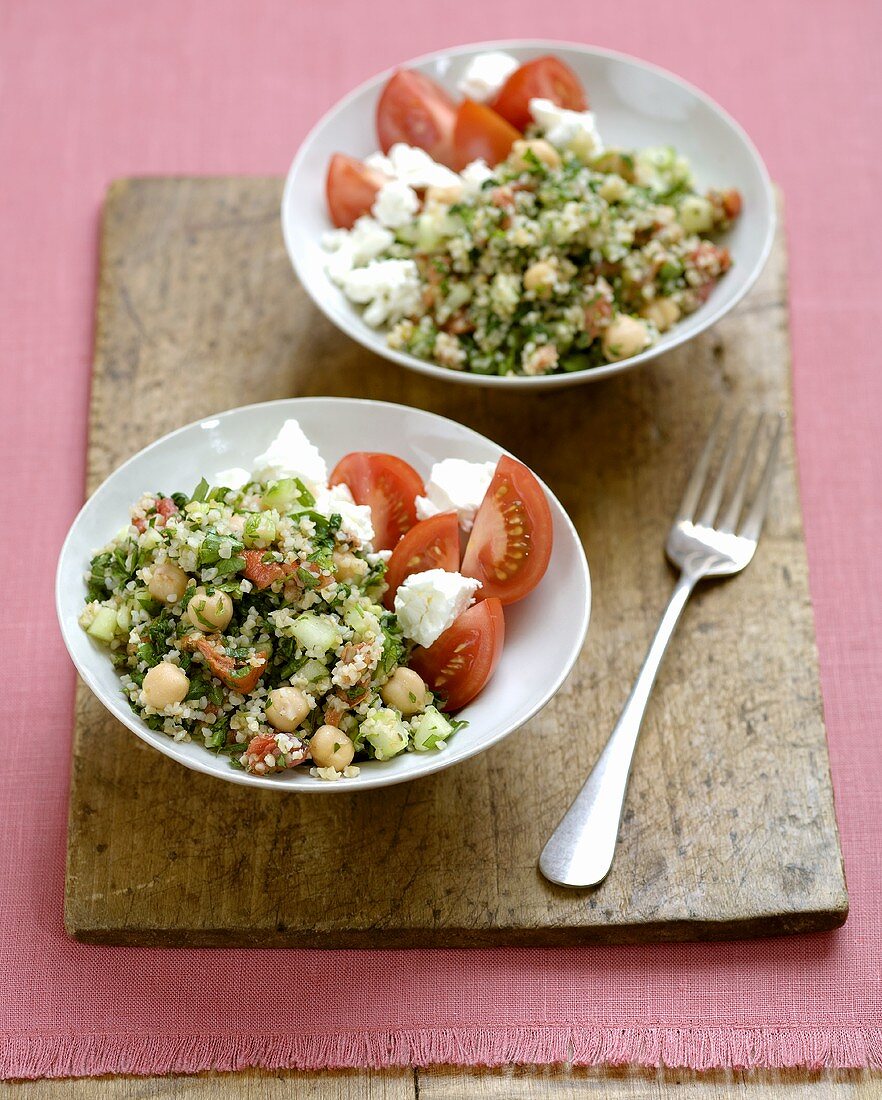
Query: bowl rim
[[434, 762], [551, 381]]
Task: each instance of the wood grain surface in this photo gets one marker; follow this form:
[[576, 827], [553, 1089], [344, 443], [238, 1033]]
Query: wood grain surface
[[452, 1083], [729, 828]]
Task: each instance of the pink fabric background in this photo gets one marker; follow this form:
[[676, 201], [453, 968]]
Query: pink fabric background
[[94, 90]]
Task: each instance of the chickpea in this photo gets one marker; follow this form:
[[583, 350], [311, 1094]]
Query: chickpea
[[348, 567], [210, 612], [286, 709], [625, 336], [663, 312], [696, 214], [613, 189], [168, 583], [406, 691], [163, 684], [331, 748], [539, 276], [542, 150], [445, 195]]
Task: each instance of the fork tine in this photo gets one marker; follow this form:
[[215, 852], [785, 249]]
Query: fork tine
[[753, 521], [696, 483], [730, 519], [709, 512]]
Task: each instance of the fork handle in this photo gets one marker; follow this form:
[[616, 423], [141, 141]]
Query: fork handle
[[580, 850]]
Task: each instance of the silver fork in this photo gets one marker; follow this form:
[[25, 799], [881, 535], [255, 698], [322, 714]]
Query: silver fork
[[581, 849]]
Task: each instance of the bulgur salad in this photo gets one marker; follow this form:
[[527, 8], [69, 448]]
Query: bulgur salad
[[281, 616], [499, 235]]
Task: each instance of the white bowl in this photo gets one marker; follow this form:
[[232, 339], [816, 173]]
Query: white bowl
[[636, 104], [544, 632]]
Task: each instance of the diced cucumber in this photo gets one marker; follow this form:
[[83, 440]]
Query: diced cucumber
[[430, 730], [385, 731], [315, 634], [314, 671], [260, 528], [287, 495], [104, 626], [124, 619]]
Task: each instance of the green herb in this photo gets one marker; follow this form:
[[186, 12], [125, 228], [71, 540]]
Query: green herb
[[201, 491]]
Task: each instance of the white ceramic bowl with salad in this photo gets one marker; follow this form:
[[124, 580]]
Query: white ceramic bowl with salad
[[184, 684], [646, 217]]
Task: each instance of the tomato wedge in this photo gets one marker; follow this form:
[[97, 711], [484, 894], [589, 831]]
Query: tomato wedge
[[351, 188], [481, 132], [431, 544], [541, 78], [462, 660], [235, 675], [416, 110], [388, 485], [510, 544]]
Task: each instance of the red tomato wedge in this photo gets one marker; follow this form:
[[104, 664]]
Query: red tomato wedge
[[416, 110], [388, 486], [236, 675], [462, 660], [481, 132], [351, 188], [510, 543], [432, 544], [541, 78]]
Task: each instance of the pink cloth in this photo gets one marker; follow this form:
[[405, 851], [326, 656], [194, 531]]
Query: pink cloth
[[97, 89]]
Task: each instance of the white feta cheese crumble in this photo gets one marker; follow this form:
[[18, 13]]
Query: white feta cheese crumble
[[234, 478], [428, 603], [395, 204], [566, 129], [474, 175], [485, 74], [413, 166], [356, 518], [389, 288], [455, 485], [350, 248], [292, 455]]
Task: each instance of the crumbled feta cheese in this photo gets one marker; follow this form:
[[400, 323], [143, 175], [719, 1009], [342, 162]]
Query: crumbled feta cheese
[[380, 163], [354, 247], [292, 455], [395, 204], [565, 129], [428, 603], [455, 485], [355, 518], [234, 478], [474, 175], [485, 74], [389, 288], [416, 168]]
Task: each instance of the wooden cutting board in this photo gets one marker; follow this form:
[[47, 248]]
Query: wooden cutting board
[[729, 829]]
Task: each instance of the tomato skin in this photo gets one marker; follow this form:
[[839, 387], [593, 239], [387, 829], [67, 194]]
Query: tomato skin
[[350, 188], [388, 485], [480, 132], [414, 109], [542, 78], [430, 544], [462, 660], [224, 668], [510, 545]]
